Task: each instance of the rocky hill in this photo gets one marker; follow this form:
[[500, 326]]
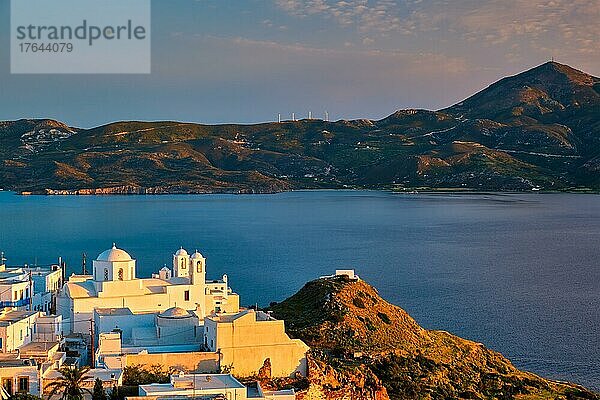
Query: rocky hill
[[537, 130], [366, 348]]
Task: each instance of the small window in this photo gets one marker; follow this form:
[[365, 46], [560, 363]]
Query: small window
[[120, 274], [7, 384], [23, 384], [105, 274], [199, 266], [186, 295], [182, 264]]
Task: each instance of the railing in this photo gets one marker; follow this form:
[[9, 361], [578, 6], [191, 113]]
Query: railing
[[17, 303]]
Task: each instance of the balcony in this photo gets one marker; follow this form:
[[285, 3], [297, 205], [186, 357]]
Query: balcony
[[16, 303]]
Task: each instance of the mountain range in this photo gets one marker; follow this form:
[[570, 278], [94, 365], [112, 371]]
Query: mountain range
[[538, 130]]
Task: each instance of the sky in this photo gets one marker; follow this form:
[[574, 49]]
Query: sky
[[245, 61]]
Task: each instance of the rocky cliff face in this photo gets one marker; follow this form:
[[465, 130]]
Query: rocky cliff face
[[539, 129], [363, 347]]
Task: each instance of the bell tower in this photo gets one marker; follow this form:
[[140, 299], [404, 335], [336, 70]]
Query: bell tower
[[181, 264], [198, 269]]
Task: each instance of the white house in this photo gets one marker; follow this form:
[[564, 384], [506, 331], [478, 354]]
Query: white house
[[29, 288], [16, 328], [18, 376], [114, 285], [223, 386], [246, 339]]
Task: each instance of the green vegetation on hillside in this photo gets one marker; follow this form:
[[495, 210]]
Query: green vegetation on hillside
[[539, 129]]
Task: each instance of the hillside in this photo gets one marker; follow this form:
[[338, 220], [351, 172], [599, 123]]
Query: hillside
[[364, 347], [538, 129]]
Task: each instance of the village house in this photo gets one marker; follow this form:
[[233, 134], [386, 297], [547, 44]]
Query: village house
[[16, 328], [247, 338], [29, 288], [209, 386], [18, 376]]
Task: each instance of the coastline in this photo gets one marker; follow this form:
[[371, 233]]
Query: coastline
[[154, 191]]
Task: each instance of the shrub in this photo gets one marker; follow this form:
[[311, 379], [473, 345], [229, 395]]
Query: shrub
[[358, 302], [384, 317]]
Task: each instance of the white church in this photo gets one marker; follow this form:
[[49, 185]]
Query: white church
[[113, 284]]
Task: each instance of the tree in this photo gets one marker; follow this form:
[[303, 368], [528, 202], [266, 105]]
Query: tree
[[70, 383], [115, 394], [134, 375], [98, 393]]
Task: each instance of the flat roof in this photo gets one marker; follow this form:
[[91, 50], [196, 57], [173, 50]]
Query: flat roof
[[38, 347], [13, 316], [228, 317], [17, 363], [92, 374], [159, 349], [195, 382], [113, 311], [11, 280]]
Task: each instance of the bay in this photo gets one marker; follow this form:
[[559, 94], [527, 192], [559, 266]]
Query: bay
[[517, 272]]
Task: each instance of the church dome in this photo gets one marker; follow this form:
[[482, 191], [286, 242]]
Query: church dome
[[181, 252], [114, 254], [196, 255], [175, 312]]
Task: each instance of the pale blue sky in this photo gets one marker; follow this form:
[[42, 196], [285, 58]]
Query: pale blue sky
[[246, 61]]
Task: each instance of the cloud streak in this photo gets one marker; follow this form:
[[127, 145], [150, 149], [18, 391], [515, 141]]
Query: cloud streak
[[366, 16], [568, 27]]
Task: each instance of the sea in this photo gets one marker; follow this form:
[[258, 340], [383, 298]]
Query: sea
[[517, 272]]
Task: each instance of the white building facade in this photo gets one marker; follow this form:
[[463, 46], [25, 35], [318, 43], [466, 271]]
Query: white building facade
[[16, 328], [18, 376], [114, 284]]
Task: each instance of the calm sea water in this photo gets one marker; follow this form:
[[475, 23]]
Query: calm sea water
[[518, 272]]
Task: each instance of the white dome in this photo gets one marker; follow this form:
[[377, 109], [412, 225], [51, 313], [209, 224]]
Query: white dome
[[196, 255], [175, 312], [181, 252], [114, 254]]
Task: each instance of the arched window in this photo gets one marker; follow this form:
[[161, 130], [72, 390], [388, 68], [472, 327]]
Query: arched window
[[199, 266], [105, 274], [120, 274], [182, 264]]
